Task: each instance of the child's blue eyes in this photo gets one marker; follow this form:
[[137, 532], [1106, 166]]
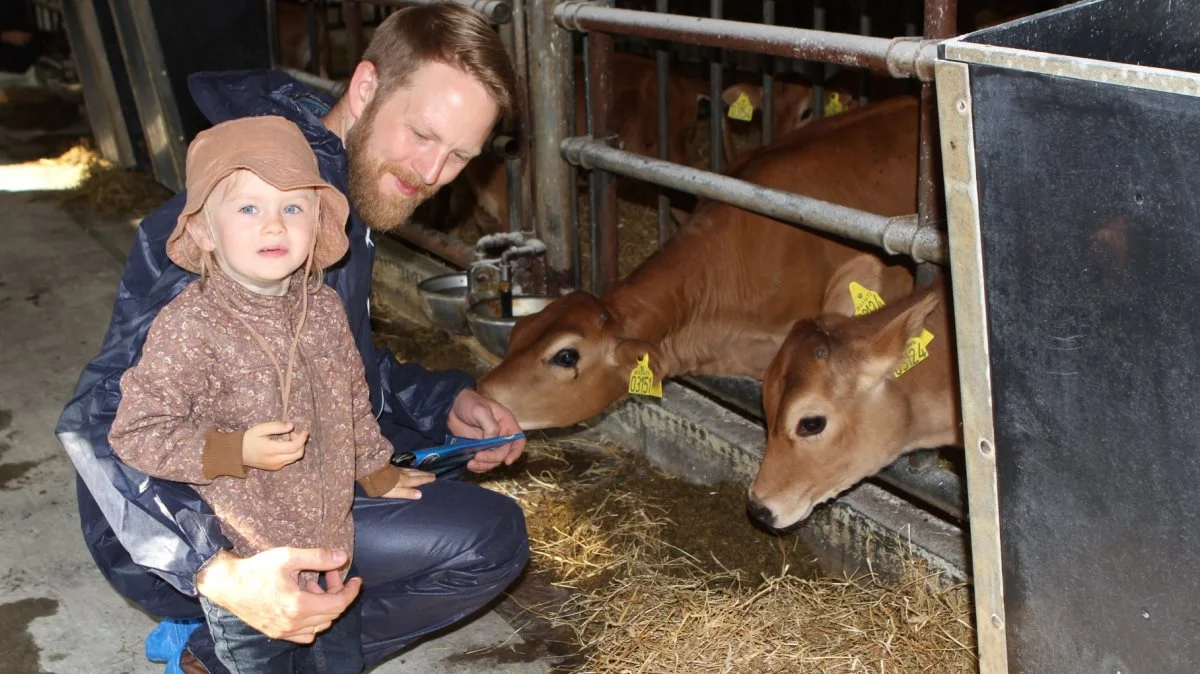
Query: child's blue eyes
[[290, 209]]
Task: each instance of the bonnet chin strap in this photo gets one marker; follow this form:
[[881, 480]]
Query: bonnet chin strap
[[285, 377]]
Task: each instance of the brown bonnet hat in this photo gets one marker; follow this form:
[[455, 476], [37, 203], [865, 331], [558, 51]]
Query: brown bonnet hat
[[274, 149]]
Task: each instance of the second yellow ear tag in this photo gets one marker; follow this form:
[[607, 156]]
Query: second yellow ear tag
[[834, 105], [642, 381], [865, 300], [742, 109], [917, 350]]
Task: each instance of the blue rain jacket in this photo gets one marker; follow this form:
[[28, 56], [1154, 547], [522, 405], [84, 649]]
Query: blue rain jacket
[[149, 536]]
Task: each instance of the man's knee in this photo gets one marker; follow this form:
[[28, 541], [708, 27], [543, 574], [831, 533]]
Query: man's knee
[[506, 541], [455, 526]]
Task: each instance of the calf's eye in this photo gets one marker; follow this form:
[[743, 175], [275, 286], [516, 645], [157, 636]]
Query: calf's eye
[[811, 426], [565, 358]]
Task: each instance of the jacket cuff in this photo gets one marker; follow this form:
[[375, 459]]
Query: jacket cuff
[[222, 455], [381, 481]]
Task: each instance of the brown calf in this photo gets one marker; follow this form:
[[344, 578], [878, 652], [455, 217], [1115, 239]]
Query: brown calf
[[720, 297], [836, 410], [634, 109], [791, 107]]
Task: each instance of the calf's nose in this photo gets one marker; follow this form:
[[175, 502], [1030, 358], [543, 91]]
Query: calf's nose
[[758, 512]]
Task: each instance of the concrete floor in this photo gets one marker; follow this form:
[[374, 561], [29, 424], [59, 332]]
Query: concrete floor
[[57, 614]]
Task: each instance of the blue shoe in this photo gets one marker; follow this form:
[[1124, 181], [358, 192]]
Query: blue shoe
[[167, 641]]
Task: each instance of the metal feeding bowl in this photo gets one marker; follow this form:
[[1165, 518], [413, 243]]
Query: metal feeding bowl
[[491, 330], [444, 299]]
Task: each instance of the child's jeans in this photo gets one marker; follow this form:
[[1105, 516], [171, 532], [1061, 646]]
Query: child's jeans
[[245, 650]]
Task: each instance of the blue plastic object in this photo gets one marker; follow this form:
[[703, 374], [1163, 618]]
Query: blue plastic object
[[454, 454], [167, 641]]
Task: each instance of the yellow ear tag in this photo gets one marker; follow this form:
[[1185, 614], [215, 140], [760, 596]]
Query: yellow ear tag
[[916, 351], [865, 300], [741, 109], [642, 381], [834, 105]]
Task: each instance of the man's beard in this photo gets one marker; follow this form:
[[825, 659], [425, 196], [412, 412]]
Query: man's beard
[[381, 212]]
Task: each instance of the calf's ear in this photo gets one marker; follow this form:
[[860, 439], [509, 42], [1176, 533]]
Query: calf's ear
[[864, 269], [626, 353], [885, 351], [752, 92]]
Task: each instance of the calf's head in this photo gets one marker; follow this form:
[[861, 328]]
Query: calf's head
[[566, 363], [833, 413]]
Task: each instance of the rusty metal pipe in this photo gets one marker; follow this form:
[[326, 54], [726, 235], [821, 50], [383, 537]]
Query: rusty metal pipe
[[898, 57], [768, 82], [895, 235], [602, 185], [314, 39], [272, 34], [549, 75], [716, 72], [940, 23], [496, 11], [452, 250], [661, 63], [352, 15], [520, 125]]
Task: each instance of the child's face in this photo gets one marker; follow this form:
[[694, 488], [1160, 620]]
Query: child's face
[[259, 234]]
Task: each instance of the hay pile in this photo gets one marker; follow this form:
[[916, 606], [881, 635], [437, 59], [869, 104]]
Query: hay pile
[[638, 604], [108, 191]]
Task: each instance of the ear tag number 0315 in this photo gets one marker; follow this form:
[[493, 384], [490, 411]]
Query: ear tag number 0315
[[642, 381]]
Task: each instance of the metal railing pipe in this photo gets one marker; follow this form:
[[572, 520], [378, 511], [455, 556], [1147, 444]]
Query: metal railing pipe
[[455, 251], [603, 186], [716, 71], [549, 75], [355, 43], [895, 235], [940, 20], [496, 11], [272, 34], [666, 228], [898, 57], [768, 82]]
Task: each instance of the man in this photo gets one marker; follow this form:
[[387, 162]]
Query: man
[[431, 86]]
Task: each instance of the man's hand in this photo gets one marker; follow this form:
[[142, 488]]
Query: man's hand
[[476, 416], [272, 445], [410, 479], [264, 592]]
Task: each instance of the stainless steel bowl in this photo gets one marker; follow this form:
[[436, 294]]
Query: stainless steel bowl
[[444, 299], [491, 330]]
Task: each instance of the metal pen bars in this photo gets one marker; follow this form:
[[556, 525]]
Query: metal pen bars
[[920, 236], [898, 57]]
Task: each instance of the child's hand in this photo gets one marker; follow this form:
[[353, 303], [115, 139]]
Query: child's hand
[[272, 445], [406, 486]]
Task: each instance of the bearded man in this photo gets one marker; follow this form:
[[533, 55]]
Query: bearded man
[[421, 104]]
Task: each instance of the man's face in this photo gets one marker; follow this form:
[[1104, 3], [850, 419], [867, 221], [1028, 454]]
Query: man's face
[[408, 144]]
